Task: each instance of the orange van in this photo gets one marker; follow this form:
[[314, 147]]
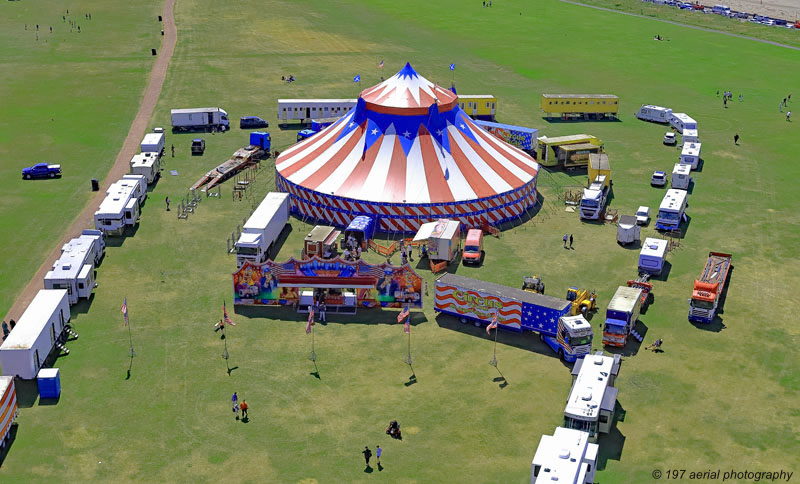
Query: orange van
[[473, 247]]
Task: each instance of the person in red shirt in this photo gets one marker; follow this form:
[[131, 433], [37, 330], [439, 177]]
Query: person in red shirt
[[243, 408]]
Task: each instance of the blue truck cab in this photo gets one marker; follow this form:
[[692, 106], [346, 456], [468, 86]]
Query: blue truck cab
[[306, 133], [41, 170]]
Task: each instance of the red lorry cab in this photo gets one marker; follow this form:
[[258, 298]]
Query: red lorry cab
[[473, 247]]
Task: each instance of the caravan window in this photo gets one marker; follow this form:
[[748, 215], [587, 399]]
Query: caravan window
[[80, 285], [492, 105], [487, 105]]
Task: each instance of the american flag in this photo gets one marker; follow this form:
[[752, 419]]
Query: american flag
[[124, 310], [225, 315], [380, 64], [452, 67], [493, 324], [310, 320], [403, 314]]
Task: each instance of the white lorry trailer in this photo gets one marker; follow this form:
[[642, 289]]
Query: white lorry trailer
[[154, 142], [682, 121], [147, 164], [262, 229], [120, 208], [567, 457], [592, 401], [594, 199], [200, 119], [35, 335], [655, 114], [442, 238], [681, 176], [690, 154], [74, 270], [8, 408]]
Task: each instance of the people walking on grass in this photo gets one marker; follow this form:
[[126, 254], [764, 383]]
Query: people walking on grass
[[570, 241], [780, 107], [236, 410], [173, 151], [788, 115], [243, 407], [565, 238], [322, 312], [378, 452], [6, 331], [167, 200], [367, 454], [725, 101], [736, 139]]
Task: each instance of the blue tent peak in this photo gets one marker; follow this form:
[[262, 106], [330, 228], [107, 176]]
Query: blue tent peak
[[408, 71]]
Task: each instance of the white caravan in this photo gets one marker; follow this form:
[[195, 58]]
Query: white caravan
[[592, 401], [262, 229], [147, 164], [74, 270], [672, 210], [690, 136], [35, 335], [120, 208], [153, 142], [690, 154], [656, 114], [566, 457], [652, 256], [681, 176], [308, 109], [682, 121]]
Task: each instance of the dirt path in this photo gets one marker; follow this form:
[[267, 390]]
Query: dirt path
[[130, 147], [777, 44]]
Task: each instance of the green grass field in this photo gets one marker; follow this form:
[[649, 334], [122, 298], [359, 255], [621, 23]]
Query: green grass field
[[718, 397]]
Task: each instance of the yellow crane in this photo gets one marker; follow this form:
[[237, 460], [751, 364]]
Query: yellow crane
[[582, 300]]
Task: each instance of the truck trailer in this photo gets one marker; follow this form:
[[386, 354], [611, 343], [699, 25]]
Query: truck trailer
[[519, 136], [583, 106], [652, 256], [442, 238], [8, 408], [567, 456], [593, 201], [592, 400], [707, 290], [309, 109], [200, 119], [517, 310], [74, 269], [621, 315], [478, 106], [558, 143], [599, 165], [262, 229]]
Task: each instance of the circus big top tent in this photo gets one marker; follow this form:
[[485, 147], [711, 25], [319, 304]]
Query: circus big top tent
[[407, 154]]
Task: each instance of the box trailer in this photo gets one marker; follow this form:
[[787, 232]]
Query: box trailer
[[154, 142], [478, 106], [628, 230], [621, 315], [681, 176], [74, 269], [120, 208], [567, 456], [672, 210], [593, 398], [690, 154], [707, 290], [200, 119], [599, 165], [262, 229], [517, 310], [690, 136], [360, 231], [655, 114], [262, 140], [147, 164], [557, 143], [308, 109], [682, 121], [593, 201], [443, 239], [8, 408], [321, 242], [584, 106], [34, 337], [652, 256], [519, 136]]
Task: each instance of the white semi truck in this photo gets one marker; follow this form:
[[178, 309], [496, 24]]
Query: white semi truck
[[594, 199], [262, 229], [200, 119]]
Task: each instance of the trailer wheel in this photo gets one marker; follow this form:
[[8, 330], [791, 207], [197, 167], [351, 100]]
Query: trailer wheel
[[463, 320], [561, 355]]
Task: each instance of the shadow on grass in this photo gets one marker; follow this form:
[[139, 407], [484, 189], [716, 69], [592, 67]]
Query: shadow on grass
[[27, 392], [12, 436], [82, 306], [364, 316], [664, 272], [118, 240], [581, 120], [612, 443], [635, 245], [49, 401], [632, 345]]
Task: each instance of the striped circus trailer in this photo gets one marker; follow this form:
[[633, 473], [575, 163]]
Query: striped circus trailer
[[517, 310], [407, 155], [8, 407]]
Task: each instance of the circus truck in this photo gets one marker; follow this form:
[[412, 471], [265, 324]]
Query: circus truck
[[707, 290], [516, 310], [523, 138]]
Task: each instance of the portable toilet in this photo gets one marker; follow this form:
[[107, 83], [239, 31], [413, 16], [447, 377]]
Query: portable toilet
[[599, 165], [652, 255], [49, 382], [681, 176]]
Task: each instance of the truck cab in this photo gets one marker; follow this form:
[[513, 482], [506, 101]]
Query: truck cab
[[473, 247], [594, 199], [306, 133], [577, 335]]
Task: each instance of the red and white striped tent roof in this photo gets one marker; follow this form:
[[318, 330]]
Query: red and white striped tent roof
[[407, 141]]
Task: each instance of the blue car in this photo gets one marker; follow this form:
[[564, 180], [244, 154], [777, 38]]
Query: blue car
[[41, 170]]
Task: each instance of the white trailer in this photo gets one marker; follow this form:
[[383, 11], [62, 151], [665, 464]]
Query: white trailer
[[262, 229], [592, 401], [656, 114], [672, 210], [308, 109], [652, 256], [154, 142], [567, 457], [200, 119], [690, 136], [627, 230], [120, 208], [147, 164], [8, 408], [690, 154], [682, 121], [35, 335], [442, 238], [681, 176], [74, 269]]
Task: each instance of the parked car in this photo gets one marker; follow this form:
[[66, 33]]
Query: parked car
[[41, 170], [198, 146], [306, 133], [659, 179], [643, 215], [670, 139], [248, 122]]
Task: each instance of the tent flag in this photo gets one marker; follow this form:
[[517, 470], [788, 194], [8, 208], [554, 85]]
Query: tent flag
[[452, 67], [310, 320], [403, 314], [357, 78], [380, 65], [124, 310], [493, 324], [225, 315]]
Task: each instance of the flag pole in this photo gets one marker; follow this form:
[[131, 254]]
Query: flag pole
[[493, 362], [409, 361], [128, 324]]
